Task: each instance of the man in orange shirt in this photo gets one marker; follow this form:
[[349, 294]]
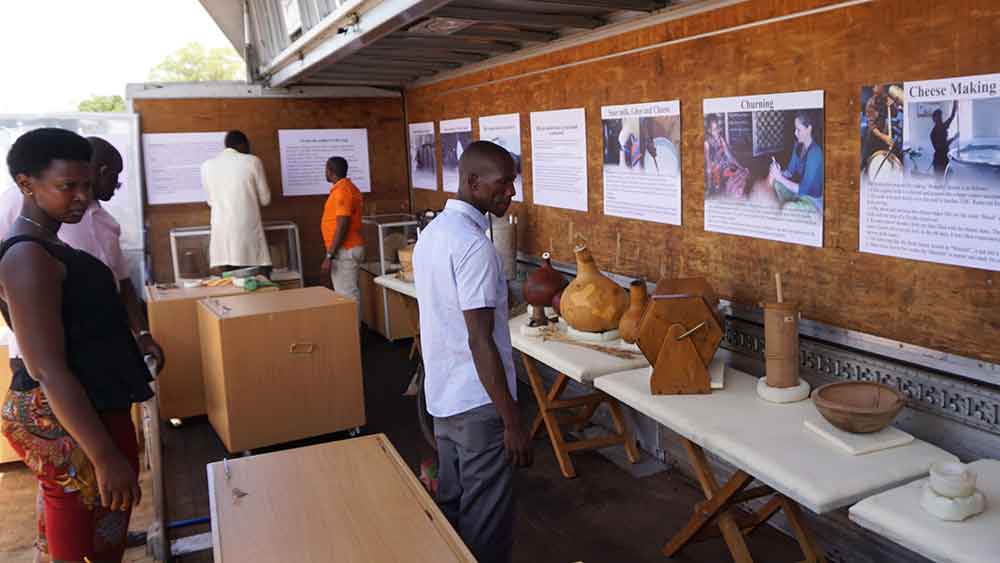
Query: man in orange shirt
[[341, 226]]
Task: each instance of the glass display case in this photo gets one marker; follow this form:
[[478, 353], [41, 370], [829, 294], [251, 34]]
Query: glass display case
[[384, 235], [189, 253]]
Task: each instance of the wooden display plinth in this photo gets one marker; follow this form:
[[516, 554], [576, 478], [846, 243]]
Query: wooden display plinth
[[347, 501], [173, 321], [281, 366]]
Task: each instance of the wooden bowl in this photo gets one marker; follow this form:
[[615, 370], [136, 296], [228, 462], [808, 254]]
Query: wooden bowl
[[860, 407]]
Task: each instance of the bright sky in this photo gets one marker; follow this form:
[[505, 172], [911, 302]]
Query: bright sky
[[55, 53]]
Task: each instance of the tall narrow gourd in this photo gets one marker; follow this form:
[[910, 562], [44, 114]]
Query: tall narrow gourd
[[592, 302], [628, 328]]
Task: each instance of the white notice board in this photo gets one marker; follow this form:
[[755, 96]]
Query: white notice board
[[173, 164], [304, 153]]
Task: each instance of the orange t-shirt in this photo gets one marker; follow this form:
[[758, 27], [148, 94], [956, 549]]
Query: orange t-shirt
[[344, 201]]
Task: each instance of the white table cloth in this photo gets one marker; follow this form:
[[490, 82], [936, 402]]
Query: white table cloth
[[770, 442], [897, 515], [392, 281], [581, 364]]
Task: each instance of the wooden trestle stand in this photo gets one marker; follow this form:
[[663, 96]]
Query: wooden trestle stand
[[550, 405]]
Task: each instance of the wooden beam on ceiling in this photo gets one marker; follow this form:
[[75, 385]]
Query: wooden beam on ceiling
[[404, 41], [611, 5], [424, 54], [349, 68], [396, 62], [511, 17], [521, 35]]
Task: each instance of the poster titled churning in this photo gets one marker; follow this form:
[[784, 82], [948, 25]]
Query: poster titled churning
[[930, 170], [642, 161], [764, 167]]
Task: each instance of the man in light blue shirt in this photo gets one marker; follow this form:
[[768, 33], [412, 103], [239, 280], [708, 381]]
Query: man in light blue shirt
[[469, 381]]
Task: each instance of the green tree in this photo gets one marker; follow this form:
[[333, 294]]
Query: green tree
[[102, 104], [195, 63]]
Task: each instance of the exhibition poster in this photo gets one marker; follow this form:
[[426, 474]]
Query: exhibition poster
[[456, 135], [764, 166], [642, 161], [559, 158], [173, 164], [930, 170], [304, 153], [505, 130], [423, 160]]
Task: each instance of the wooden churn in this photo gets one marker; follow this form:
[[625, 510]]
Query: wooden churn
[[781, 344]]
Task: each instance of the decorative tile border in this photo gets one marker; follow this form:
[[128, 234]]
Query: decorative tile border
[[929, 391]]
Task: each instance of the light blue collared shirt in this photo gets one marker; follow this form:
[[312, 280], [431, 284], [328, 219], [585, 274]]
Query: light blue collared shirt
[[456, 268]]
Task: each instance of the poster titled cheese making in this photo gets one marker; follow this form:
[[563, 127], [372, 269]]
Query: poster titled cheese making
[[559, 158], [423, 159], [930, 170], [456, 135], [304, 153], [764, 166], [505, 130], [642, 161]]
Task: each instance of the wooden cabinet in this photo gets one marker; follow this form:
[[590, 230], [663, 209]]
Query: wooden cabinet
[[280, 366], [7, 453], [346, 501], [173, 321], [373, 303]]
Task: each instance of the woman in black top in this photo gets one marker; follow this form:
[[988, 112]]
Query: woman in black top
[[67, 412]]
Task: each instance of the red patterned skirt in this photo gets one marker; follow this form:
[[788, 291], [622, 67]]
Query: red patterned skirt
[[73, 524]]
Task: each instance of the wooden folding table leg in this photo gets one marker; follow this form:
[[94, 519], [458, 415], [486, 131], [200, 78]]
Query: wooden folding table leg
[[811, 551], [549, 418], [553, 394], [619, 421], [715, 504]]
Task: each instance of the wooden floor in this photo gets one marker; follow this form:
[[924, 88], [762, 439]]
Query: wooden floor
[[603, 515]]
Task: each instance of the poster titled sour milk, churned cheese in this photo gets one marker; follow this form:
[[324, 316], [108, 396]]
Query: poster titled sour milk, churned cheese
[[764, 166], [930, 170], [642, 161]]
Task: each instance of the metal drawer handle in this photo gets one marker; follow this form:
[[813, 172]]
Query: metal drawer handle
[[301, 348]]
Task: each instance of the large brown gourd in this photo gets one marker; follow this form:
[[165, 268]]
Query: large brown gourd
[[540, 288], [592, 302]]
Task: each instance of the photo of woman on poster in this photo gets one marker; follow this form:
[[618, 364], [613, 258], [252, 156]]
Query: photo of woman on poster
[[801, 183], [724, 175], [882, 131]]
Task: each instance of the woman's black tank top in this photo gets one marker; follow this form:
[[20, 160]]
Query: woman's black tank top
[[100, 350]]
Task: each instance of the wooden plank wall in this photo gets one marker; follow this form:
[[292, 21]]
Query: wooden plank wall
[[261, 119], [835, 48]]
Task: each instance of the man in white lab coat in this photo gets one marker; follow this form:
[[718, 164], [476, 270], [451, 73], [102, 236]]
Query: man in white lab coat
[[236, 188]]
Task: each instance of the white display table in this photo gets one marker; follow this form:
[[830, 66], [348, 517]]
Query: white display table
[[897, 515], [582, 365], [392, 281], [770, 443], [409, 291]]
